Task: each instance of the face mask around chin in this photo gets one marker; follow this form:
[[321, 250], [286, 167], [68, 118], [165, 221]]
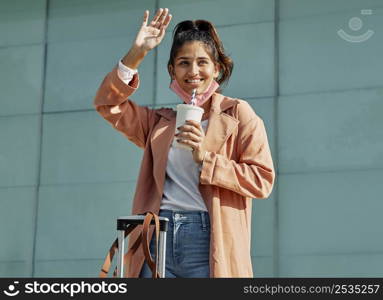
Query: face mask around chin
[[201, 98]]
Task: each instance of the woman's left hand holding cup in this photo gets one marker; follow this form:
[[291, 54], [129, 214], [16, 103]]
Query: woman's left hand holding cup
[[192, 135]]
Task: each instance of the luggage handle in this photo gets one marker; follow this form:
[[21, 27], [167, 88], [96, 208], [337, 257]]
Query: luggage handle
[[128, 224]]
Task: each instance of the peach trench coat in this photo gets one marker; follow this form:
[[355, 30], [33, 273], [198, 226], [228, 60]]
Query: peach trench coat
[[237, 168]]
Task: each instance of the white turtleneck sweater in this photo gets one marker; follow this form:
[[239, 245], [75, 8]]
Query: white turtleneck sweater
[[181, 190]]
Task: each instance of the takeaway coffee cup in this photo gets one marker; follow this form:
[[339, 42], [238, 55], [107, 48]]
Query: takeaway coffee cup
[[186, 112]]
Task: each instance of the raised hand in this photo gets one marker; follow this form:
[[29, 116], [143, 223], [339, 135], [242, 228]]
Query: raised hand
[[150, 36]]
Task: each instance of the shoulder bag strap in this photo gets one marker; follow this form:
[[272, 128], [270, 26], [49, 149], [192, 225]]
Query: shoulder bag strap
[[112, 251], [145, 242]]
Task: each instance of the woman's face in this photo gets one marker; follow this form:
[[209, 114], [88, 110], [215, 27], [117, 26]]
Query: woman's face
[[193, 68]]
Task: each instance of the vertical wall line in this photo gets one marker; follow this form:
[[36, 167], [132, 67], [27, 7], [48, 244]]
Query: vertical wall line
[[276, 252], [40, 137], [155, 76]]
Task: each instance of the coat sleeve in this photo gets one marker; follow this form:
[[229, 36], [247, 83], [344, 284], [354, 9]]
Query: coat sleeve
[[253, 175], [112, 103]]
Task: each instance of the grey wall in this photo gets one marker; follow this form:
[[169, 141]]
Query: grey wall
[[65, 174]]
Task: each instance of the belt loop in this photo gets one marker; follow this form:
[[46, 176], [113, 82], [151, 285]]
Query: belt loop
[[174, 217], [203, 220]]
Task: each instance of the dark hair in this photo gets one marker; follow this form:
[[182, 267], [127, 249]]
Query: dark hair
[[203, 31]]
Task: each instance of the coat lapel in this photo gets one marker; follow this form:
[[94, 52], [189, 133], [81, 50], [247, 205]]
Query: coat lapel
[[161, 139], [220, 127]]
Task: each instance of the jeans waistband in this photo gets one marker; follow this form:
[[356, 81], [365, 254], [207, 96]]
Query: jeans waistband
[[186, 216]]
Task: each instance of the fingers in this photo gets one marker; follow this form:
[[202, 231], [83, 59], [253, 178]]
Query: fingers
[[192, 132], [164, 26], [146, 16], [194, 124], [189, 137], [163, 15], [161, 19], [190, 128], [189, 143], [167, 21], [156, 17]]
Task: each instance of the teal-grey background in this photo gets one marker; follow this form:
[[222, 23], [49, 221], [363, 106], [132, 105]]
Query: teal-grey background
[[65, 174]]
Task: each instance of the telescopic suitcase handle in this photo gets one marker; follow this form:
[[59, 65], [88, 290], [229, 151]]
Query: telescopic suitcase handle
[[125, 225]]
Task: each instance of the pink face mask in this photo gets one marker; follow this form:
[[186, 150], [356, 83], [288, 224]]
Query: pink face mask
[[201, 98]]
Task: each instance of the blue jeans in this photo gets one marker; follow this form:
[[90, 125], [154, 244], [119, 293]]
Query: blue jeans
[[187, 245]]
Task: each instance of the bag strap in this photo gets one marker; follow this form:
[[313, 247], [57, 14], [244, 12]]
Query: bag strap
[[145, 242], [142, 239], [112, 251]]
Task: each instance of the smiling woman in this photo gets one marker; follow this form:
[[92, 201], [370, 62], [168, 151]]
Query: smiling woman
[[193, 68], [206, 193], [196, 45]]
